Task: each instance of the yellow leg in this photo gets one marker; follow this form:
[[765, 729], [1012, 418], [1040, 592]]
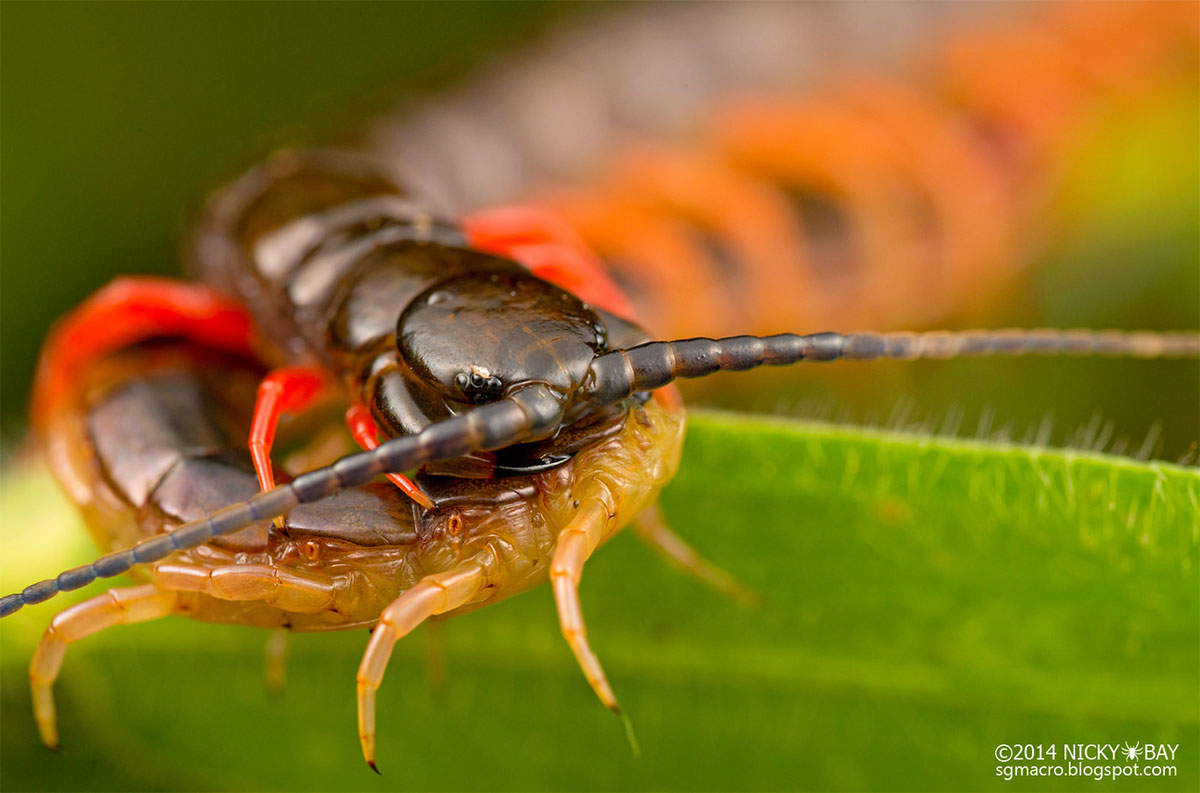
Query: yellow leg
[[575, 544], [281, 588], [433, 594], [115, 607], [653, 530]]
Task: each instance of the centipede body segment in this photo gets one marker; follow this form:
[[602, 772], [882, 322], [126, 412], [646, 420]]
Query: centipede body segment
[[492, 368]]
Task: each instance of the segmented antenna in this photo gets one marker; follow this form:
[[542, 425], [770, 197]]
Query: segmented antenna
[[535, 411], [616, 375], [528, 414]]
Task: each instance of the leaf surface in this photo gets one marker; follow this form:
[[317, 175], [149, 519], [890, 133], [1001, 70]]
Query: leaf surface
[[922, 600]]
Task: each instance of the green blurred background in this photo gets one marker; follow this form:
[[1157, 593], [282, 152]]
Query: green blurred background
[[117, 118], [114, 120]]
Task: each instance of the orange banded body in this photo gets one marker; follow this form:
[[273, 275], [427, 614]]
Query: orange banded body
[[875, 166], [345, 273], [308, 313]]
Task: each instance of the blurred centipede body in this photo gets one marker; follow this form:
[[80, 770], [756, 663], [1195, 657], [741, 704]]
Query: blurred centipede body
[[859, 165]]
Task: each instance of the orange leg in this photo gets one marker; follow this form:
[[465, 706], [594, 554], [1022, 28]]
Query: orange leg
[[670, 398], [115, 607], [434, 594], [575, 544], [550, 248], [284, 589], [130, 310], [287, 590], [366, 435], [653, 530]]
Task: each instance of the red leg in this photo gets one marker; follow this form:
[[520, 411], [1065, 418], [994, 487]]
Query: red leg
[[366, 435], [670, 398], [287, 390], [553, 250], [550, 248], [130, 310]]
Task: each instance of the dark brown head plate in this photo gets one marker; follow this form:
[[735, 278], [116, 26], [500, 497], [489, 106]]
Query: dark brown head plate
[[474, 337]]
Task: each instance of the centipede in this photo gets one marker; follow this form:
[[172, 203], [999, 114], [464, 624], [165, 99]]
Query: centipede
[[480, 334]]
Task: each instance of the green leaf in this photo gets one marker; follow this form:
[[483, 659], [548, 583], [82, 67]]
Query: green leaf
[[923, 600]]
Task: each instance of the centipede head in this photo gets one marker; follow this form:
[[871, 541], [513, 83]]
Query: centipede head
[[474, 338], [539, 408]]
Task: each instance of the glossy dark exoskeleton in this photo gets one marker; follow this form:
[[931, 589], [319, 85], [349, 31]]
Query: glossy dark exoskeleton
[[534, 439], [475, 367], [341, 269], [478, 373]]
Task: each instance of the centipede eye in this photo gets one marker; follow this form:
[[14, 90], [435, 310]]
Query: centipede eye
[[479, 386], [473, 337], [601, 337]]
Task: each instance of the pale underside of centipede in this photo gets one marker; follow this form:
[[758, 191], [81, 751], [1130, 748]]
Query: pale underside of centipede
[[748, 187]]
